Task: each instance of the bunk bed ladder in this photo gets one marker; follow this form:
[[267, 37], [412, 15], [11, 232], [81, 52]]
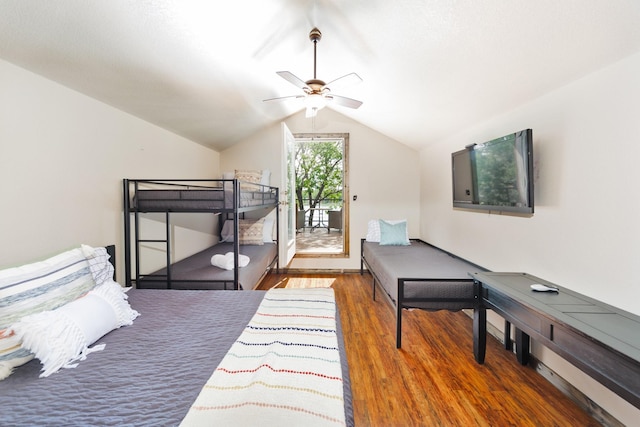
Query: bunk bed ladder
[[236, 237], [127, 232], [137, 240], [166, 241]]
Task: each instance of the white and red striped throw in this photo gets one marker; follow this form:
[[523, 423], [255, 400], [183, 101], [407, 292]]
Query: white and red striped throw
[[284, 369]]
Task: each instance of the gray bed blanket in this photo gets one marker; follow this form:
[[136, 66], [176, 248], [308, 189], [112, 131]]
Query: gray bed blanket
[[149, 374]]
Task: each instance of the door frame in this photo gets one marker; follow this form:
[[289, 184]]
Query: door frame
[[345, 192]]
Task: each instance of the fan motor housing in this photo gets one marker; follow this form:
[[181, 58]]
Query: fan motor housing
[[315, 35], [316, 85]]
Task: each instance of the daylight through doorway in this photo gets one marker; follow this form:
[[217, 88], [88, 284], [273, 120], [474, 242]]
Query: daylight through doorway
[[321, 195]]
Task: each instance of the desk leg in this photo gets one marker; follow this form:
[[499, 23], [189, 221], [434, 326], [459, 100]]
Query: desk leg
[[399, 304], [522, 347], [479, 334], [508, 345]]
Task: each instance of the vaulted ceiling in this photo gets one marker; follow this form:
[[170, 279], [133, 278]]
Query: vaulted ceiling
[[201, 68]]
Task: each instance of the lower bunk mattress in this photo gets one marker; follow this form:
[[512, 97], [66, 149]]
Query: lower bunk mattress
[[420, 260], [197, 272], [151, 372]]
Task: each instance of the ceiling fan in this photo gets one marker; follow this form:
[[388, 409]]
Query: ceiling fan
[[317, 93]]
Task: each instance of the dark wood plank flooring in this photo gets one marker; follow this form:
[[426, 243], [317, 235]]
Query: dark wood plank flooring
[[433, 380]]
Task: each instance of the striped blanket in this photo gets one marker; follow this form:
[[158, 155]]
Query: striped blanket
[[284, 369]]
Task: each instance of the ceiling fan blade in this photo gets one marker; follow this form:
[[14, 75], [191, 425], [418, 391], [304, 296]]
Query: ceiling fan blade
[[282, 98], [344, 101], [293, 79], [346, 80]]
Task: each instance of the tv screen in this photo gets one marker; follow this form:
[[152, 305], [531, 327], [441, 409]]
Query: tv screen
[[496, 175]]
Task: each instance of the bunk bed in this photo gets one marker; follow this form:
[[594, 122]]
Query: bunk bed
[[231, 200]]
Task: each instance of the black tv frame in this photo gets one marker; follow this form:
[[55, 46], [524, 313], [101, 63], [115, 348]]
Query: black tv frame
[[470, 203]]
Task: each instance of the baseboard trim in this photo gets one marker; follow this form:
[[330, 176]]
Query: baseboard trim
[[317, 271]]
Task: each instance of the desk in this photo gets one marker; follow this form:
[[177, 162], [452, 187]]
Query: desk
[[601, 340]]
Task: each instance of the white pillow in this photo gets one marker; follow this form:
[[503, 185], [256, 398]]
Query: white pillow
[[266, 177], [63, 336], [267, 230], [98, 258], [373, 229], [226, 234], [228, 186]]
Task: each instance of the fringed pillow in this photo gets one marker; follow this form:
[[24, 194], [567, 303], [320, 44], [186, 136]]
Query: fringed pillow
[[250, 232], [249, 179], [60, 338]]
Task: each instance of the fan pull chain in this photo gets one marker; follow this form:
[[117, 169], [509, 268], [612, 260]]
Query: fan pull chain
[[313, 124]]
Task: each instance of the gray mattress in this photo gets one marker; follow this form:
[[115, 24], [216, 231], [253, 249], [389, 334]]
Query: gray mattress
[[421, 260], [150, 373], [200, 199], [190, 272]]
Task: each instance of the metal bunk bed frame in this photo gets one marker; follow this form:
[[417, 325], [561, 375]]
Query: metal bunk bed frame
[[233, 212]]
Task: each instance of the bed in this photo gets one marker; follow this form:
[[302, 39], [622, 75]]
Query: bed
[[152, 372], [196, 271], [414, 274], [245, 201]]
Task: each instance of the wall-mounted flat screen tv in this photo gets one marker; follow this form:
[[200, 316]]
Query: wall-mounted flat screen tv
[[496, 175]]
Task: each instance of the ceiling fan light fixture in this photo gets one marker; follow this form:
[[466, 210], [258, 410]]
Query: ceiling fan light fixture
[[315, 101], [316, 92]]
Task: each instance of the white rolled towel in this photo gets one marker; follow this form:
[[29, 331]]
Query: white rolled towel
[[243, 260], [222, 261], [226, 261]]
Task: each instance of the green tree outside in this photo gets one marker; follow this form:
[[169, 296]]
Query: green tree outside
[[319, 175]]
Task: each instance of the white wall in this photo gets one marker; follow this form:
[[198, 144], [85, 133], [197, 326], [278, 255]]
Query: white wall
[[585, 233], [62, 160], [383, 173]]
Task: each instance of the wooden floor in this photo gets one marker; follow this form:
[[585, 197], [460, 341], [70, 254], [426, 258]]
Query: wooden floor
[[433, 380]]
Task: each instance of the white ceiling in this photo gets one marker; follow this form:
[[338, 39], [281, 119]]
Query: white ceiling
[[201, 68]]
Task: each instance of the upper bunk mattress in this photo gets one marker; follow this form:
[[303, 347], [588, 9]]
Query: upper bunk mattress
[[200, 199]]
